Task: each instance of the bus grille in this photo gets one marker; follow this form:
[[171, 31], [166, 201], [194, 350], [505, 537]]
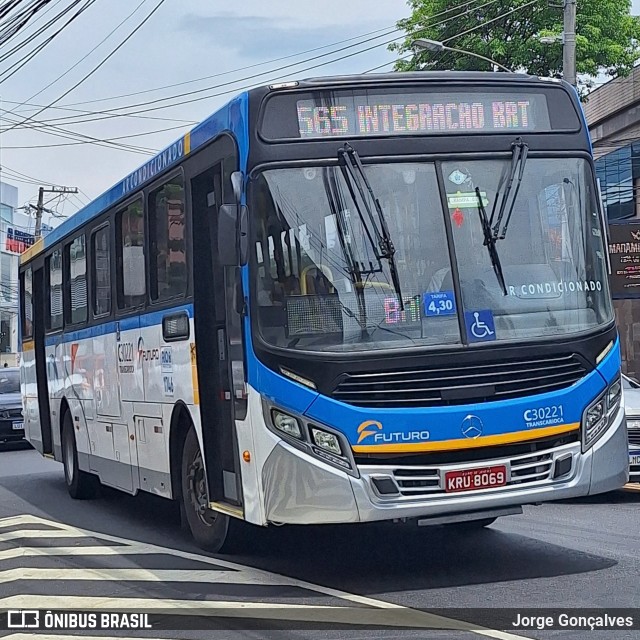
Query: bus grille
[[460, 383], [11, 413], [524, 470], [634, 437]]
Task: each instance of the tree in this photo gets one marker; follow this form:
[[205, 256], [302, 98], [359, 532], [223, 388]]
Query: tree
[[508, 31]]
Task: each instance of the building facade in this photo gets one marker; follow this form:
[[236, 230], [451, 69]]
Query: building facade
[[8, 276], [16, 234], [613, 116]]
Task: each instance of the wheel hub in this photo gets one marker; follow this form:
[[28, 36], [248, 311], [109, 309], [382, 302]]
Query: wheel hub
[[198, 491]]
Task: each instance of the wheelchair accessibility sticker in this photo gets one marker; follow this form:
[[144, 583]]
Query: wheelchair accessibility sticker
[[480, 326]]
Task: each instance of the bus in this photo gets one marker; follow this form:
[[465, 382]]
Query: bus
[[338, 300]]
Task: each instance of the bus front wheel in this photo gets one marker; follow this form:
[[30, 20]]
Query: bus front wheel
[[209, 528], [81, 485]]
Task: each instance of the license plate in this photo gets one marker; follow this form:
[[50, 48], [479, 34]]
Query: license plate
[[472, 479], [634, 459], [18, 425]]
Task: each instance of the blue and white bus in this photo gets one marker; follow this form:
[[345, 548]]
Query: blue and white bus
[[345, 299]]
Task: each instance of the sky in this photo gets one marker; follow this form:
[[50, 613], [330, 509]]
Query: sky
[[184, 40]]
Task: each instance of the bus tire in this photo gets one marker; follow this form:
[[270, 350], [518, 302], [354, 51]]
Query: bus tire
[[209, 528], [81, 485]]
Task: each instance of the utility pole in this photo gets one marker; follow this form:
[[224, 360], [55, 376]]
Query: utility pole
[[40, 207], [569, 48]]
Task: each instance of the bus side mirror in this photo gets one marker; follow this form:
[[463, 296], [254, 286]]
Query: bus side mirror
[[232, 235]]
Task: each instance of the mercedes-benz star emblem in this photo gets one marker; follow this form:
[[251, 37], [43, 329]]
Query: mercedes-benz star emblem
[[471, 427]]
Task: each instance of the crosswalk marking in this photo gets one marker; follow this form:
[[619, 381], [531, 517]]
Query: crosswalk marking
[[42, 636], [37, 533], [18, 552], [137, 575], [369, 610]]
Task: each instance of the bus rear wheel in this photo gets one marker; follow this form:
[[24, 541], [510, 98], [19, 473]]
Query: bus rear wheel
[[81, 485], [209, 528]]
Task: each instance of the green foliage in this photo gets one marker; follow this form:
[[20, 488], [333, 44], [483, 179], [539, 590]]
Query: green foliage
[[608, 36]]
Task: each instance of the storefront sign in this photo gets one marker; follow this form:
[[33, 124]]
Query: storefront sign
[[624, 250]]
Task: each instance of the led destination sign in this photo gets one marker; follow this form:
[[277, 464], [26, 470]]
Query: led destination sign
[[411, 114]]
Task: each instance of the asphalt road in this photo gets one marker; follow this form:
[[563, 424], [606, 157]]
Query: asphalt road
[[583, 553]]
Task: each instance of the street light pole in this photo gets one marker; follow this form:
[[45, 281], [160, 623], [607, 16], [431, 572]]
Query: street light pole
[[435, 45], [569, 48]]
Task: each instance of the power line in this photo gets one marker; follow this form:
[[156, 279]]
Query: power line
[[244, 87], [484, 24], [468, 10], [37, 18], [73, 144], [107, 58], [386, 64], [73, 135], [114, 112], [247, 67], [24, 175], [41, 123], [90, 139], [16, 23], [35, 95], [32, 54]]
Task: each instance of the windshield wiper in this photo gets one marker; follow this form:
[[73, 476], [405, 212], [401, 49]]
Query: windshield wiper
[[519, 152], [382, 245], [490, 242]]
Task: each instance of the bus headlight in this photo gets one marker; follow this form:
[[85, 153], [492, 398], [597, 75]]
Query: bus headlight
[[614, 396], [327, 441], [316, 439], [287, 424], [600, 414]]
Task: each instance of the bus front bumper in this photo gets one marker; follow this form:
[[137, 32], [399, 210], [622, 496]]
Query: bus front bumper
[[299, 489]]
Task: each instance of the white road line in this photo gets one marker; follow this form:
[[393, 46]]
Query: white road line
[[18, 552], [40, 636], [23, 519], [137, 575], [38, 533], [443, 622]]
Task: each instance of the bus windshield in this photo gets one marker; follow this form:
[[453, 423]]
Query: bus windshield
[[320, 284]]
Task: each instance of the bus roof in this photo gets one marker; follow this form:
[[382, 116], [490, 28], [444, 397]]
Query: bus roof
[[233, 117], [499, 77]]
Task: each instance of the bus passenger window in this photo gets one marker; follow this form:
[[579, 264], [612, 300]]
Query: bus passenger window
[[132, 286], [167, 241], [77, 261], [101, 273], [27, 304], [54, 285]]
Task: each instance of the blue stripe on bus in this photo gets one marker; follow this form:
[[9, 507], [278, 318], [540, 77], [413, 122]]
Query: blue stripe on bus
[[232, 117], [151, 319], [609, 368], [443, 422]]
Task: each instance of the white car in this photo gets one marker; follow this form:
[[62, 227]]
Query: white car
[[632, 409]]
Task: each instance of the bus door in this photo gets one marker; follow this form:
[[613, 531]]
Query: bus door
[[215, 329], [42, 372]]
